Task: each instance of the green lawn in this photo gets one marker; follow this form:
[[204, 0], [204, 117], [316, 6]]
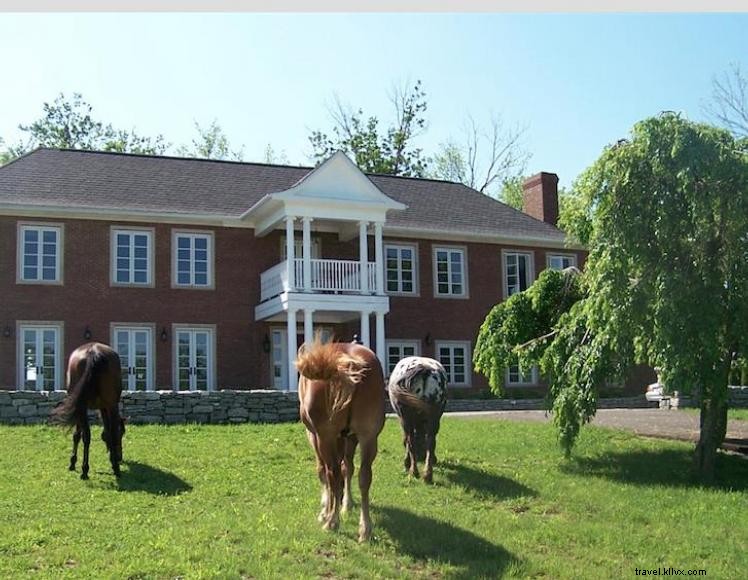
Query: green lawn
[[735, 414], [241, 501]]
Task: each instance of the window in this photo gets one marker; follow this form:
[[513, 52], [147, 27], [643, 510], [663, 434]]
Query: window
[[400, 268], [455, 358], [398, 350], [132, 262], [192, 259], [134, 344], [517, 272], [515, 377], [449, 272], [40, 356], [561, 261], [194, 358], [40, 254]]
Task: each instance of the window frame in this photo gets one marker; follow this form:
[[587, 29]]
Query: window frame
[[209, 235], [130, 326], [550, 255], [213, 360], [60, 373], [408, 246], [21, 228], [400, 343], [534, 378], [451, 344], [434, 264], [504, 265], [150, 273]]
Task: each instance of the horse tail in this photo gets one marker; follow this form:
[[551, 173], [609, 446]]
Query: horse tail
[[342, 371], [73, 407], [399, 394]]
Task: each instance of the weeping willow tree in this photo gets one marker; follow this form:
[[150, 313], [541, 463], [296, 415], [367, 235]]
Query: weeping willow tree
[[664, 215]]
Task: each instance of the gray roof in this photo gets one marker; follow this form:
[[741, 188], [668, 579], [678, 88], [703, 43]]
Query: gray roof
[[95, 180]]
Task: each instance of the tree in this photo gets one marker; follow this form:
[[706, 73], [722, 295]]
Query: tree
[[665, 218], [5, 155], [68, 124], [391, 151], [729, 103], [211, 143], [274, 158], [490, 161]]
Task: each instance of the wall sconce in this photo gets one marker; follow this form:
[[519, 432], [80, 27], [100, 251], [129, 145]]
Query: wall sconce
[[427, 340], [266, 344], [164, 336], [7, 331], [87, 333], [356, 339]]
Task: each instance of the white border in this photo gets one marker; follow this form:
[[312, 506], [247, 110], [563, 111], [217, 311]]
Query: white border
[[210, 235], [465, 272], [467, 345], [60, 227], [60, 382], [113, 231], [212, 362], [151, 328]]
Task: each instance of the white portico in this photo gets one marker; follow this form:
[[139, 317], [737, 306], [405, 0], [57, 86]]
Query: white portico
[[304, 289]]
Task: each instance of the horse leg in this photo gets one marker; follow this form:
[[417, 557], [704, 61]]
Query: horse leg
[[334, 481], [86, 427], [348, 470], [320, 474], [411, 448], [111, 425], [430, 442], [368, 454], [76, 440]]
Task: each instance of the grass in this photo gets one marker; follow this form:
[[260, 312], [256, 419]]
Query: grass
[[734, 414], [241, 502]]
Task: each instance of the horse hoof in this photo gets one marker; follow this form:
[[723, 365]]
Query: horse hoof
[[71, 468], [84, 476], [428, 478], [364, 535]]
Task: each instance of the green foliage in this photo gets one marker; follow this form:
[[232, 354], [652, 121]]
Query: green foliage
[[391, 151], [69, 124], [5, 154], [211, 143]]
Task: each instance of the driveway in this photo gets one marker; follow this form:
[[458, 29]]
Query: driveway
[[670, 424]]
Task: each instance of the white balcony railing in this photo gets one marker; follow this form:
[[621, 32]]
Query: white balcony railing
[[338, 276]]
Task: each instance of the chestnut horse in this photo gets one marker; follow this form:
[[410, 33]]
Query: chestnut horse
[[341, 395], [93, 382]]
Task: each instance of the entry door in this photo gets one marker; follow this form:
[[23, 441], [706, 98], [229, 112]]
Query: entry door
[[279, 354], [40, 367], [195, 359], [133, 344]]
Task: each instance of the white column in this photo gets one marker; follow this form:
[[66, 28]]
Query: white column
[[379, 257], [365, 333], [293, 380], [307, 254], [308, 326], [363, 258], [290, 254], [381, 355]]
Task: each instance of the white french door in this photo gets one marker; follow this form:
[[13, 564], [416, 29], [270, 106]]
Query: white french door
[[279, 354], [134, 344], [194, 359], [40, 366]]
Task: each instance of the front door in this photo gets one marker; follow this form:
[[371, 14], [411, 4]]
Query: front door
[[133, 344], [194, 359], [40, 367]]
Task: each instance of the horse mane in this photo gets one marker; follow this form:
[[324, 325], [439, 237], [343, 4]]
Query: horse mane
[[328, 362]]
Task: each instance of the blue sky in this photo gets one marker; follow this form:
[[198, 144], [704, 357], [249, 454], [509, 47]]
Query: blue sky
[[577, 82]]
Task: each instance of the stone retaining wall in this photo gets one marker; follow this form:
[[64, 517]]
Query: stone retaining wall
[[229, 406], [737, 399]]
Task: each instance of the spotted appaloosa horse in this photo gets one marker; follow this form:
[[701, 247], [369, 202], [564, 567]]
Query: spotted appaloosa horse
[[341, 395], [93, 382], [418, 393]]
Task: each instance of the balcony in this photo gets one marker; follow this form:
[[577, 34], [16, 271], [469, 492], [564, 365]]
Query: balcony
[[326, 277]]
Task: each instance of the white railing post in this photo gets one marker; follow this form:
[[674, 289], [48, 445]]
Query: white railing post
[[290, 254], [293, 380], [379, 257], [307, 252], [363, 255]]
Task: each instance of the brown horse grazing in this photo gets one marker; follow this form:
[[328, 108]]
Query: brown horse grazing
[[93, 382], [341, 395]]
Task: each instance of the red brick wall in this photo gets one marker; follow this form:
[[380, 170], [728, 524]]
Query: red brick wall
[[87, 299]]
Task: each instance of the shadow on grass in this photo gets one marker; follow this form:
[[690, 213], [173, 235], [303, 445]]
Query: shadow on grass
[[666, 467], [424, 538], [142, 477], [484, 483]]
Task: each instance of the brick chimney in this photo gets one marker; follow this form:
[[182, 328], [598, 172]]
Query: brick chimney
[[541, 197]]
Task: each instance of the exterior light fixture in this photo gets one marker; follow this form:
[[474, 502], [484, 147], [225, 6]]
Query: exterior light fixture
[[164, 336], [7, 331], [266, 344], [87, 333], [427, 340]]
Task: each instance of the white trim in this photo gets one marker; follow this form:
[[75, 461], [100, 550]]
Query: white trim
[[413, 246], [150, 328], [40, 227], [59, 328], [399, 343], [452, 344], [132, 230], [465, 286], [534, 378], [209, 235], [550, 255], [212, 361], [504, 275], [485, 238]]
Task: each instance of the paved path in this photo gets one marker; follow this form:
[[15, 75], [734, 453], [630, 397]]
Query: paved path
[[670, 424]]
